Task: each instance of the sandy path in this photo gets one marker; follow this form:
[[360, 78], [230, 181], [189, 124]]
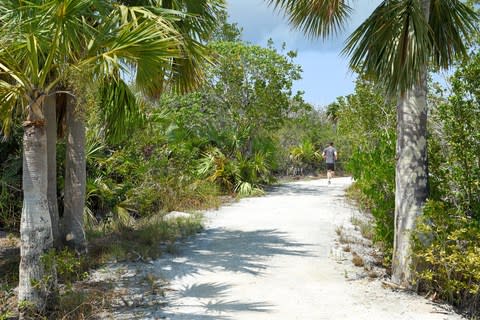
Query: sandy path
[[274, 257]]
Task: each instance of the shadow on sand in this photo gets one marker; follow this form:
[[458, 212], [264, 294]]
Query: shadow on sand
[[213, 250]]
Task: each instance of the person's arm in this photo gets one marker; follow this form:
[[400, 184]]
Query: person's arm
[[335, 153]]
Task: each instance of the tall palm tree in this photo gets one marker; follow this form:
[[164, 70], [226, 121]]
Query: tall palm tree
[[39, 46], [193, 20], [397, 44]]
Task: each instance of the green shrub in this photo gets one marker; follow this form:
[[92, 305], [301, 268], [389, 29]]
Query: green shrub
[[447, 256]]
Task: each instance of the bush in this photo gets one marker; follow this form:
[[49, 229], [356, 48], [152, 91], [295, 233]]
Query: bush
[[447, 256]]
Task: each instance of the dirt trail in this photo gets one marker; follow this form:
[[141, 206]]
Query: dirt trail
[[273, 257]]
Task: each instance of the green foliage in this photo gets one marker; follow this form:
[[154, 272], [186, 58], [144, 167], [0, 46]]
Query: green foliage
[[239, 174], [252, 84], [144, 239], [226, 31], [447, 255], [228, 127], [10, 180], [152, 172], [367, 126], [302, 139], [70, 267], [448, 236], [10, 190], [305, 156], [455, 146]]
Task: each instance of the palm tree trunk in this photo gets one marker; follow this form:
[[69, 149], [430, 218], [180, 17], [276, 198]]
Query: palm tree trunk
[[75, 178], [35, 226], [51, 119], [411, 175]]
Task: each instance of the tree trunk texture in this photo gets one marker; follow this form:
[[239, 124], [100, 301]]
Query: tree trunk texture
[[75, 178], [411, 175], [35, 282], [410, 178], [51, 125]]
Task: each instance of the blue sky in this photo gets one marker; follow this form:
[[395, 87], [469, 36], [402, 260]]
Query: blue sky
[[325, 73]]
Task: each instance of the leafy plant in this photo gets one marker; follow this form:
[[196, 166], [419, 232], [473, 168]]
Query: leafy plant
[[447, 253]]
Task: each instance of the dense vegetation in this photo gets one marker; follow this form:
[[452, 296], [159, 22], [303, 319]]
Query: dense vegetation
[[228, 137]]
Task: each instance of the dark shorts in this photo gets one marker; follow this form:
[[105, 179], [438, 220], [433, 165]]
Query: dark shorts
[[330, 167]]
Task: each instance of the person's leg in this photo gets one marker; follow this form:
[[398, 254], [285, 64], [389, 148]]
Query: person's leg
[[329, 171]]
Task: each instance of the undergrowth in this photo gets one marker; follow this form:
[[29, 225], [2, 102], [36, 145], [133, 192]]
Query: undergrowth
[[141, 240], [447, 256]]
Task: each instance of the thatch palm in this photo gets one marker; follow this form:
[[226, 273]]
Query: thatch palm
[[120, 101], [396, 44], [40, 42], [193, 20], [199, 19]]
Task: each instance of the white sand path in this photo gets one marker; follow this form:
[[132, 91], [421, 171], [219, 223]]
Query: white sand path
[[274, 257]]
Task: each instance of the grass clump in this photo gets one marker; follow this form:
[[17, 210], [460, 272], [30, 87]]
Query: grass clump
[[142, 240], [365, 227], [357, 260]]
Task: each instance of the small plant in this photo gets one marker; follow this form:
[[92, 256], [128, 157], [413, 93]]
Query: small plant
[[339, 230], [357, 260]]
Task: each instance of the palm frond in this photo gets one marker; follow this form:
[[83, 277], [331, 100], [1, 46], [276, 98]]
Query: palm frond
[[393, 44], [316, 18], [196, 20], [452, 23], [119, 108], [147, 44], [396, 43]]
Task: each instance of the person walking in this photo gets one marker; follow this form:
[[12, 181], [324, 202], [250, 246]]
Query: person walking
[[330, 156]]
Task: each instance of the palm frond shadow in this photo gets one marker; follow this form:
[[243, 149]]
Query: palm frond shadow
[[229, 306], [204, 290], [230, 250], [220, 250], [293, 190]]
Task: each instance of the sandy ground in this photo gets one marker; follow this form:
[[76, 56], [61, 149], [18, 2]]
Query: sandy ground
[[272, 257]]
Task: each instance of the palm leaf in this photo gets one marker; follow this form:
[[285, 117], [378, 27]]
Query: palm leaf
[[396, 43], [393, 44], [316, 18], [119, 109], [195, 21], [452, 22]]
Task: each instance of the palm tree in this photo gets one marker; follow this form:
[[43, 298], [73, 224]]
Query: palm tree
[[39, 46], [193, 20], [397, 44]]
